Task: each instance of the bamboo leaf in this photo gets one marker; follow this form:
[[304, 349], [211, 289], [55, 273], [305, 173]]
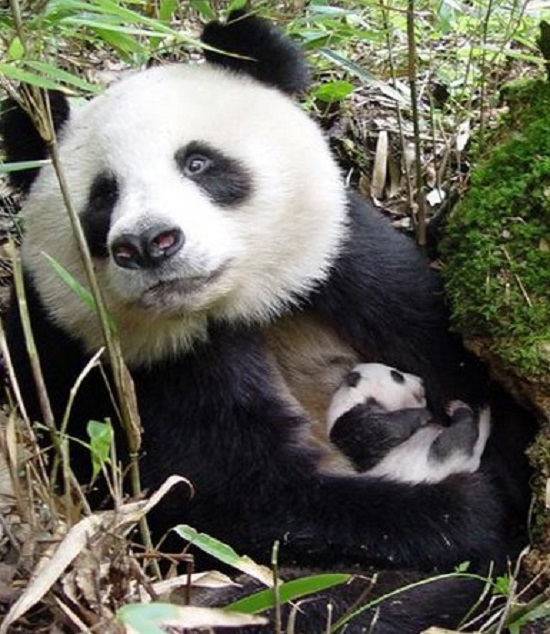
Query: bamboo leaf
[[334, 91], [225, 554], [101, 436], [22, 165], [166, 9], [61, 76], [154, 618], [18, 74], [83, 293], [120, 41], [204, 9], [16, 50], [289, 591]]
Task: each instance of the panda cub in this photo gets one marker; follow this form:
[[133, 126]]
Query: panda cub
[[378, 418]]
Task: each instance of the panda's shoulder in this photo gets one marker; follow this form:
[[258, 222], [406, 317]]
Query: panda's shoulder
[[376, 261], [372, 239]]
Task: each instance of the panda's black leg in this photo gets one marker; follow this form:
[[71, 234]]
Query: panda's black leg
[[460, 437], [365, 434]]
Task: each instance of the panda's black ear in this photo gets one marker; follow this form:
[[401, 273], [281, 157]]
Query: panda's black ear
[[20, 139], [273, 58]]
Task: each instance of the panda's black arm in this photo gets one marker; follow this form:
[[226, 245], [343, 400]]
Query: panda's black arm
[[384, 299], [365, 434]]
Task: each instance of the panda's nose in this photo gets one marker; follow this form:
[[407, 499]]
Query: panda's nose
[[148, 249]]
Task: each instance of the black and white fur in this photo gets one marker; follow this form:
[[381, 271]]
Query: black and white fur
[[378, 418], [214, 213]]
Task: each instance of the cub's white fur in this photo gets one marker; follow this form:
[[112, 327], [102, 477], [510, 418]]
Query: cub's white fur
[[133, 131], [412, 460]]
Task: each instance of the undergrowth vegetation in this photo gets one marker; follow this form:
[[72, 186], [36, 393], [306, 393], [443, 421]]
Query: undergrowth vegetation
[[398, 86], [497, 249]]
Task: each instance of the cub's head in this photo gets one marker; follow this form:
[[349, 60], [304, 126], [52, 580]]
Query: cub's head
[[378, 385], [204, 192]]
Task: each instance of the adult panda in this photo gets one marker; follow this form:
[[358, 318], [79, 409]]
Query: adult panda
[[245, 282]]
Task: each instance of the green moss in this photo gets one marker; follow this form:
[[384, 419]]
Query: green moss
[[497, 251]]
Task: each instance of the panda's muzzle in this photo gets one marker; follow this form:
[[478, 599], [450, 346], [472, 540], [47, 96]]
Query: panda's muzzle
[[147, 250]]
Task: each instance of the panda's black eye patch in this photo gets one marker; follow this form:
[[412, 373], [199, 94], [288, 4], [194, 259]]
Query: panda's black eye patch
[[224, 179], [397, 377], [352, 379], [96, 218]]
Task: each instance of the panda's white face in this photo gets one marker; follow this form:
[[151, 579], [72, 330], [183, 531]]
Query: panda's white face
[[202, 194], [380, 385]]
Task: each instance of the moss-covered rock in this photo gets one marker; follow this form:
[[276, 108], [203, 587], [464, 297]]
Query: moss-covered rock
[[497, 251], [496, 266]]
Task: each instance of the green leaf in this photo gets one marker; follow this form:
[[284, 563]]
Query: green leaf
[[348, 65], [502, 585], [61, 76], [166, 9], [16, 50], [204, 9], [334, 91], [114, 8], [236, 4], [225, 554], [15, 72], [124, 44], [362, 74], [289, 591], [83, 293], [23, 165], [101, 436], [118, 28], [463, 567]]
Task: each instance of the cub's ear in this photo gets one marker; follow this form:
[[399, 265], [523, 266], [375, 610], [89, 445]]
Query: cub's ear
[[267, 54], [20, 139]]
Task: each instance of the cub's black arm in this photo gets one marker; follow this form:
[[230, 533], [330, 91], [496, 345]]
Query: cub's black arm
[[365, 434]]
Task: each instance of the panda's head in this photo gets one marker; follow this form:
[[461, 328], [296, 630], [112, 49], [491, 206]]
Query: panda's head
[[205, 193], [378, 385]]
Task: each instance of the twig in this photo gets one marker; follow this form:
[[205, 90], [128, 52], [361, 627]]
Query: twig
[[36, 369], [387, 31], [420, 224], [276, 587], [483, 67], [517, 278]]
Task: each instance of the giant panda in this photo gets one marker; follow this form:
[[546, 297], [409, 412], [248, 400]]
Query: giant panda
[[378, 418], [245, 281]]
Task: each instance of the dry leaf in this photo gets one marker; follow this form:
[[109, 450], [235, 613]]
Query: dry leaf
[[380, 166], [462, 135], [49, 570]]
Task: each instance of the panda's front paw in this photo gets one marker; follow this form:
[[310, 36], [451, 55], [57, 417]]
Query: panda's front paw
[[458, 411]]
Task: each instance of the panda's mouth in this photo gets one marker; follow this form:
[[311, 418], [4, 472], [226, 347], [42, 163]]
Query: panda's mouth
[[178, 292]]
